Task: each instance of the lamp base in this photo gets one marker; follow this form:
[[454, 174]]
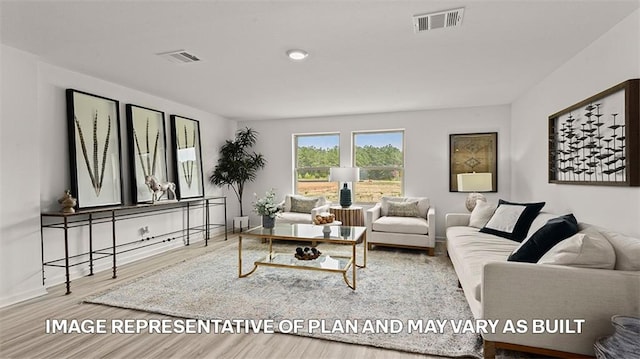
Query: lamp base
[[345, 197], [470, 203]]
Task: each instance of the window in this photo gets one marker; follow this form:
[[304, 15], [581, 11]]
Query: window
[[314, 156], [380, 156]]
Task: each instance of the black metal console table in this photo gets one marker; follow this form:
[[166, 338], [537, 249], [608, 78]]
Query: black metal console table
[[90, 217]]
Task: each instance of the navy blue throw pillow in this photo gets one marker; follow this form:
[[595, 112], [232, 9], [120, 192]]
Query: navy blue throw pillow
[[552, 233], [512, 220]]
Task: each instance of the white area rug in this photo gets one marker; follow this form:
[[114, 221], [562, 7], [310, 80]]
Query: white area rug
[[401, 287]]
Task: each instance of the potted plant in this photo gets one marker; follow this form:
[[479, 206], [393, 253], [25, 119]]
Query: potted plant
[[267, 208], [237, 165]]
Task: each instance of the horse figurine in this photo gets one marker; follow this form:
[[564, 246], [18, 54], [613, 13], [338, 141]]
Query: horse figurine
[[159, 189]]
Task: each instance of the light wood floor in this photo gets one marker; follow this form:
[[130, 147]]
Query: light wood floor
[[22, 326]]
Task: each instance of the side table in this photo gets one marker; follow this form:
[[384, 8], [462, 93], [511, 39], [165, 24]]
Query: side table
[[350, 216]]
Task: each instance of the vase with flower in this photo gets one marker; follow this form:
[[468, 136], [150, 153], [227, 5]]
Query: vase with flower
[[267, 208]]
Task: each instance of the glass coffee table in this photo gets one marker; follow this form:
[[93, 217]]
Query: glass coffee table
[[313, 234]]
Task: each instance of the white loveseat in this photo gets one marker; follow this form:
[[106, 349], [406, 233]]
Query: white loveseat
[[413, 229], [497, 289], [307, 209]]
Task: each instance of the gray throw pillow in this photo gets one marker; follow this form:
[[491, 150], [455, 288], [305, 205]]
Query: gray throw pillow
[[403, 209], [302, 204]]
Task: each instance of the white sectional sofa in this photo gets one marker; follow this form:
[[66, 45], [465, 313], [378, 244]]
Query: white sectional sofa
[[562, 294]]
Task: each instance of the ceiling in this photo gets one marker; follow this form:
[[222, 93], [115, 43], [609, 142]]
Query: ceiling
[[364, 55]]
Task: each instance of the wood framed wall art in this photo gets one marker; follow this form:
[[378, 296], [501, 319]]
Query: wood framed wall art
[[146, 138], [185, 141], [597, 141], [93, 124], [473, 153]]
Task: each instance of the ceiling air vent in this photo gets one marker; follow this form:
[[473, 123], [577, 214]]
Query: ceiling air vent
[[180, 57], [438, 20]]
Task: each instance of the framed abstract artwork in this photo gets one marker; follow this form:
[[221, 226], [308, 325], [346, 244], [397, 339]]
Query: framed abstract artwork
[[597, 141], [93, 124], [474, 153], [187, 154], [146, 138]]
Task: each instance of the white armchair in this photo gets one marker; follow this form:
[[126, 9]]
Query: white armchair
[[301, 209], [407, 222]]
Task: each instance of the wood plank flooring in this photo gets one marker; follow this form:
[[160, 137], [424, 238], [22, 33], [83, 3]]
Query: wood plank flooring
[[22, 326]]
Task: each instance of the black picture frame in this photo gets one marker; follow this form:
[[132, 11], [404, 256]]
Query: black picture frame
[[93, 125], [146, 138], [473, 152], [597, 141], [187, 155]]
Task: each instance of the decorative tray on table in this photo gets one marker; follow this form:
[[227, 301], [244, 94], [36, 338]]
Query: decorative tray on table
[[307, 254]]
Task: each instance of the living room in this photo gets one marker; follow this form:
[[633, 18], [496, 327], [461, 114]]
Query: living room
[[35, 164]]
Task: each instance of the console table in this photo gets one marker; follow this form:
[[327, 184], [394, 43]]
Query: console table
[[90, 217]]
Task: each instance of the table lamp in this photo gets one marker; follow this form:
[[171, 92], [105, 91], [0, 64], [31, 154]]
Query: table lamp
[[344, 174], [474, 183]]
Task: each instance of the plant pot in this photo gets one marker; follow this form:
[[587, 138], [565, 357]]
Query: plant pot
[[268, 222]]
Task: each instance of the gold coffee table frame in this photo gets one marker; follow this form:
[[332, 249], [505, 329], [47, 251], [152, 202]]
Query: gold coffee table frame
[[309, 233]]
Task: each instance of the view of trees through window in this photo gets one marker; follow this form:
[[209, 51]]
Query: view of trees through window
[[378, 154], [315, 155], [381, 160]]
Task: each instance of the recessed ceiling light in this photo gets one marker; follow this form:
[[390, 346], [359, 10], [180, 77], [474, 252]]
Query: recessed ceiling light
[[297, 54]]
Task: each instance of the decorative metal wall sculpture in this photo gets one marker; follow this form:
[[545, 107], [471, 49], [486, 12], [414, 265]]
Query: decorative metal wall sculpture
[[597, 141], [93, 124], [185, 137], [147, 150], [473, 152]]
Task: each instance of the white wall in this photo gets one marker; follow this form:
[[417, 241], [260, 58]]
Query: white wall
[[35, 169], [611, 59], [426, 146]]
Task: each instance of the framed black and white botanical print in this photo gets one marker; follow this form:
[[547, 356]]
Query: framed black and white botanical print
[[187, 154], [147, 150], [93, 124]]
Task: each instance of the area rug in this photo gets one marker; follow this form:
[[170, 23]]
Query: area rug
[[400, 297]]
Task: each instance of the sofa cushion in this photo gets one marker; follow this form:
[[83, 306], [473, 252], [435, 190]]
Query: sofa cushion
[[545, 238], [293, 217], [587, 249], [481, 213], [321, 201], [403, 209], [512, 220], [475, 249], [423, 204], [409, 225], [627, 250], [303, 204]]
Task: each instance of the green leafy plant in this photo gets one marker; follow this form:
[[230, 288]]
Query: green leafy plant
[[266, 206], [237, 163]]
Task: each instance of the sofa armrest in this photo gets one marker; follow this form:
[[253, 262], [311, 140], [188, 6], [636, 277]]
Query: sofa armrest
[[431, 221], [372, 214], [320, 209], [530, 292], [456, 219]]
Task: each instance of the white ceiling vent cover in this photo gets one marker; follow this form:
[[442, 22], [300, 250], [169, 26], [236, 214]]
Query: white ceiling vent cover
[[180, 57], [438, 20]]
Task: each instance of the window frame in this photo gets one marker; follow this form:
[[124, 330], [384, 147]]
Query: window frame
[[402, 169], [296, 137]]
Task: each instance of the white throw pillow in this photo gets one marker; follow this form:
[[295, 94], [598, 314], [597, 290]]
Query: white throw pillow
[[627, 250], [586, 249], [481, 214]]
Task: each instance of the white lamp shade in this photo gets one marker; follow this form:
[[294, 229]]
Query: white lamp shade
[[474, 182], [186, 154], [344, 174]]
